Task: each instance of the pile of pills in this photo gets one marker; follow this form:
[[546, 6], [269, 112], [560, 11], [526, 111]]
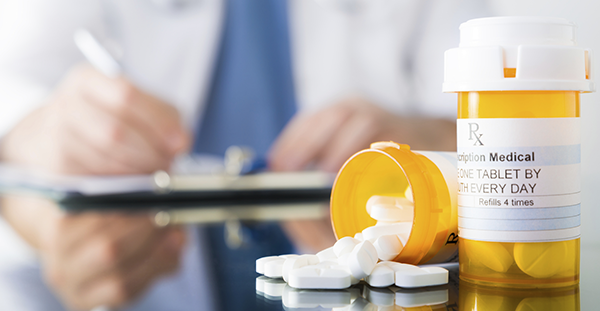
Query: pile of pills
[[362, 257]]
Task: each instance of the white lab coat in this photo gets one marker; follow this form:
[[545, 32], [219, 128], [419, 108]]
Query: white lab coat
[[388, 51]]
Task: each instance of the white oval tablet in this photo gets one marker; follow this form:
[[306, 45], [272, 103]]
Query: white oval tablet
[[408, 194], [362, 259], [372, 233], [421, 277], [359, 236], [310, 277], [344, 246], [260, 263], [388, 246], [327, 254], [393, 213], [381, 276], [297, 262], [274, 268]]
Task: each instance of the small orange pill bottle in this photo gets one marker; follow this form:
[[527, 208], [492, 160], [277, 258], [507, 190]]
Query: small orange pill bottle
[[518, 81], [394, 170]]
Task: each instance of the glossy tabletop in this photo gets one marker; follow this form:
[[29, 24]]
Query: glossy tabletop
[[273, 294]]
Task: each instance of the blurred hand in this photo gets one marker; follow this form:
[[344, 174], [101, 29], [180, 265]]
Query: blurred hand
[[93, 259], [330, 136], [93, 124]]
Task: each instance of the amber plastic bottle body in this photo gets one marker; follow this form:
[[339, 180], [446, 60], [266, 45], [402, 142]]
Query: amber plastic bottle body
[[479, 259], [388, 169]]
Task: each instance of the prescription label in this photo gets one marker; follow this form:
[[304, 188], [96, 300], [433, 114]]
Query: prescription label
[[519, 179]]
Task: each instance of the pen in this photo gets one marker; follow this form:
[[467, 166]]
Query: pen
[[96, 53], [240, 160]]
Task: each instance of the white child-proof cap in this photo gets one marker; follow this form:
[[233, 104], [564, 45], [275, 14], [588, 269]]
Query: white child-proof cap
[[542, 50]]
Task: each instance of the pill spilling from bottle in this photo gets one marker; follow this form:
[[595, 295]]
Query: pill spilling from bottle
[[366, 256]]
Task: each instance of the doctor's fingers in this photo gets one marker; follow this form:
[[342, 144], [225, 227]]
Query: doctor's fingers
[[115, 250], [121, 98], [304, 138], [357, 133], [119, 147], [120, 287], [75, 155]]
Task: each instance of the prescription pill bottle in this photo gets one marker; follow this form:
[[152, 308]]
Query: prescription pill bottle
[[518, 81], [388, 169]]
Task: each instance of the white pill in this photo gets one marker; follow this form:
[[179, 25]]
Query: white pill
[[359, 236], [404, 237], [385, 223], [344, 246], [343, 260], [372, 233], [396, 266], [408, 194], [388, 246], [353, 280], [362, 259], [381, 276], [393, 213], [297, 262], [327, 254], [421, 277], [311, 277], [260, 263], [274, 268]]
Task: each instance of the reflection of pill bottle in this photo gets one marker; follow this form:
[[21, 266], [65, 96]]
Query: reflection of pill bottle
[[478, 297], [518, 81], [388, 169]]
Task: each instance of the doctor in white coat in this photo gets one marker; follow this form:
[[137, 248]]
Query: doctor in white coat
[[363, 70]]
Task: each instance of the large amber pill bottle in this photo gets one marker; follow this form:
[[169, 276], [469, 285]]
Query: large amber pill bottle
[[518, 81]]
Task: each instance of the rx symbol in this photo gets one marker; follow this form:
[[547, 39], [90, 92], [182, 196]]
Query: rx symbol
[[473, 128]]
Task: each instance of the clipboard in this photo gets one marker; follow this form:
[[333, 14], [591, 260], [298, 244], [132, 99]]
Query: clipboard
[[161, 191]]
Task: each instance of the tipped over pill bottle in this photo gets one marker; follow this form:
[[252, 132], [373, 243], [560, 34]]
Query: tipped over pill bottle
[[389, 170], [518, 81]]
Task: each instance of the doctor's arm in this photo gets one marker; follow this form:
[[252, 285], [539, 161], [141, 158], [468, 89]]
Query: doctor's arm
[[91, 124], [328, 137]]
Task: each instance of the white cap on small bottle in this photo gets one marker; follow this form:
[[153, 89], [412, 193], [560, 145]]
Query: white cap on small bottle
[[540, 51]]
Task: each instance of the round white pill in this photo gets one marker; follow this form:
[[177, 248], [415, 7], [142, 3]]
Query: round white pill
[[344, 246], [372, 233], [381, 276], [362, 259], [388, 246]]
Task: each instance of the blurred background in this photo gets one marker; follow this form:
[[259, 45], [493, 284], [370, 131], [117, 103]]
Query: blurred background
[[324, 54]]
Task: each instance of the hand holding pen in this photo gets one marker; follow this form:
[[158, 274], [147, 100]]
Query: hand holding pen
[[96, 122]]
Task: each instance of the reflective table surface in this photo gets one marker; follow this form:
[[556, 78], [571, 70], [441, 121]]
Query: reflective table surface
[[274, 294]]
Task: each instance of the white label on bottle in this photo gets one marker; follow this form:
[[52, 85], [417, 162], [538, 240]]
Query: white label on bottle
[[519, 179]]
